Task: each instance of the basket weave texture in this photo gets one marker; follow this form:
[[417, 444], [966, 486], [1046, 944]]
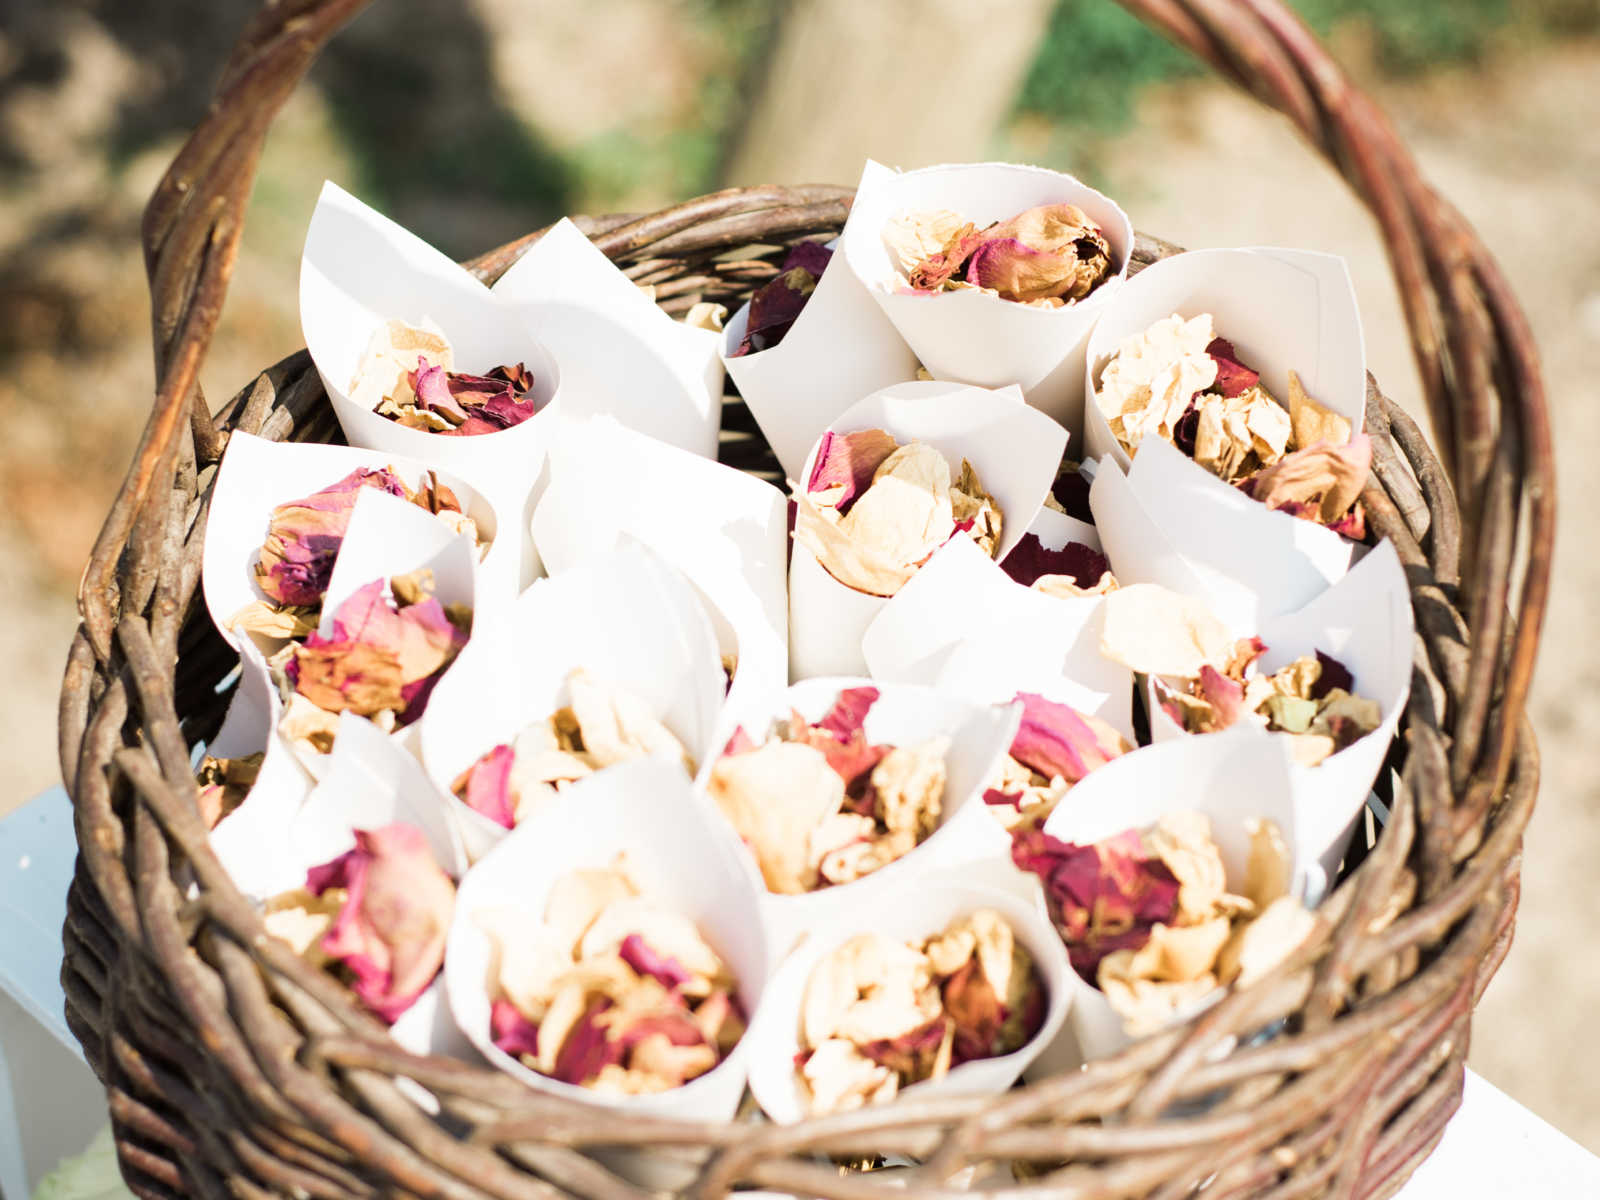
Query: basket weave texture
[[232, 1068]]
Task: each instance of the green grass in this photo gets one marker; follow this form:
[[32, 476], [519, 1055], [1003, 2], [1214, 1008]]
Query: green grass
[[1096, 58]]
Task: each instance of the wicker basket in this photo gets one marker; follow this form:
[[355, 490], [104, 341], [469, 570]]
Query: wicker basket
[[233, 1068]]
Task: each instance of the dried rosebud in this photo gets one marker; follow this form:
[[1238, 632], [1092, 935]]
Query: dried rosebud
[[1102, 898], [1233, 377], [304, 536], [391, 929], [1030, 561], [1058, 741], [485, 786], [1053, 252], [776, 305]]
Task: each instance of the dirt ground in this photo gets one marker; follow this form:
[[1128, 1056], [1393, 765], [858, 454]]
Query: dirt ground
[[1515, 143]]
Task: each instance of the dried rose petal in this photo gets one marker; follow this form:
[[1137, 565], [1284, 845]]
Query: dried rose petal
[[304, 537], [1055, 739], [666, 971], [1233, 377], [421, 636], [587, 1049], [911, 1055], [776, 305], [1071, 490], [978, 1013], [841, 737], [848, 461], [1334, 675], [1225, 695], [1102, 898], [999, 798], [390, 932], [511, 1031], [341, 675], [1318, 483], [1030, 560], [739, 742], [485, 786]]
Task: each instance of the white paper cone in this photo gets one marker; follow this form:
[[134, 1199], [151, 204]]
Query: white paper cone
[[1015, 451], [619, 354], [251, 842], [1055, 529], [903, 715], [909, 914], [1364, 621], [967, 335], [1231, 777], [370, 782], [257, 475], [1143, 550], [626, 617], [648, 812], [725, 530], [963, 625], [358, 270], [841, 347], [1283, 310]]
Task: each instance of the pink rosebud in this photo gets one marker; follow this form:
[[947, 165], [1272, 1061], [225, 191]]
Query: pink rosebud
[[391, 929]]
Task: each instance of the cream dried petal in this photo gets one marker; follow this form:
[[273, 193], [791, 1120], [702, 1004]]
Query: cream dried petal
[[775, 795], [617, 726], [836, 832], [983, 932], [1298, 678], [913, 236], [659, 1065], [578, 897], [839, 1078], [307, 728], [393, 353], [1158, 632], [301, 919], [975, 510], [850, 863], [1152, 376], [276, 622], [1259, 946], [1310, 749], [1365, 714], [1235, 436], [1065, 587], [906, 513], [1311, 422], [1269, 869], [706, 315], [909, 782], [528, 959], [1146, 1005], [1182, 840], [855, 564]]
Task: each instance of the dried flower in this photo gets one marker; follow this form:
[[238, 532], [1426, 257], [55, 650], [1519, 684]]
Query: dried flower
[[1073, 570], [820, 804], [874, 512], [406, 375], [611, 991], [224, 783], [1050, 255], [394, 909], [602, 726], [776, 304], [879, 1014]]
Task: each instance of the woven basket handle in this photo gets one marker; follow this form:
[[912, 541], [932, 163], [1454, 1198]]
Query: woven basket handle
[[1473, 348]]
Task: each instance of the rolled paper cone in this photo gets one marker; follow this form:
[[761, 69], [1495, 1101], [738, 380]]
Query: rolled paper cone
[[1141, 550], [1232, 777], [1055, 529], [619, 354], [358, 270], [841, 347], [1365, 622], [963, 625], [257, 476], [725, 530], [251, 842], [627, 617], [1015, 451], [968, 335], [910, 914], [903, 715], [1283, 310], [647, 812], [370, 782]]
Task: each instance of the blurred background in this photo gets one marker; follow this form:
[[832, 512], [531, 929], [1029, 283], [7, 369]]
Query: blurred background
[[474, 122]]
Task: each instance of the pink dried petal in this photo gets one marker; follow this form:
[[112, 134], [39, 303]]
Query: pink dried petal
[[1055, 739], [1233, 377], [977, 1012], [1319, 483], [420, 636], [911, 1055], [1030, 560], [841, 737], [739, 743], [511, 1031], [849, 460], [391, 929], [485, 786], [664, 969], [998, 798], [778, 304], [304, 536], [1019, 272], [588, 1048], [1225, 695]]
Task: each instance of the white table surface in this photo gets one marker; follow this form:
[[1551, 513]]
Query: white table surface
[[1493, 1148]]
